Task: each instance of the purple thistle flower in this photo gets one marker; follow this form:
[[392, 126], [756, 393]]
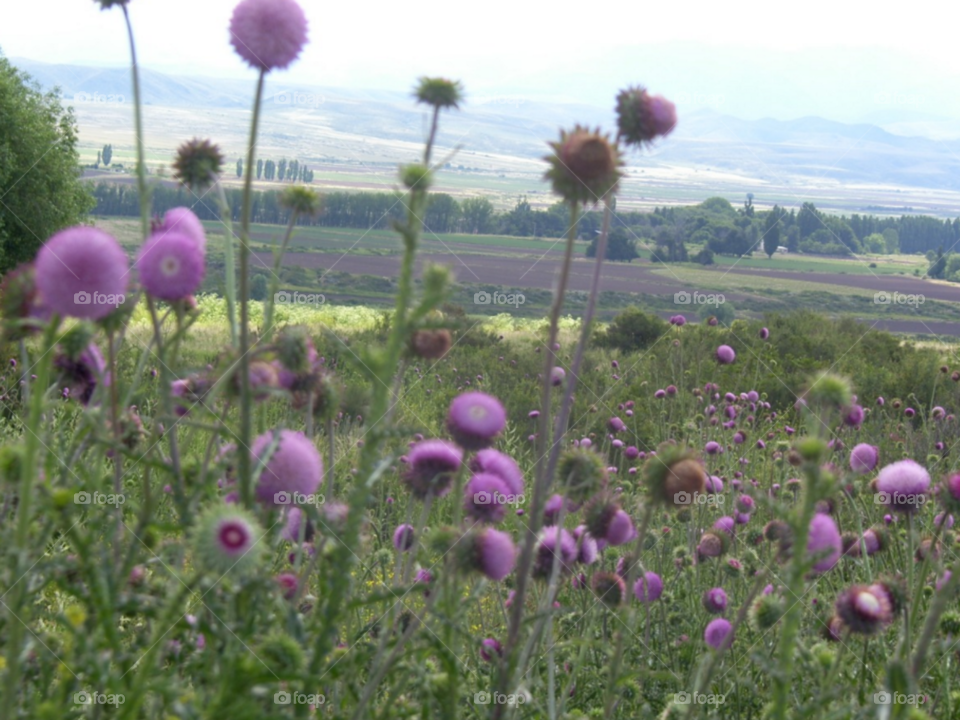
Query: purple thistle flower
[[485, 497], [77, 264], [182, 220], [294, 467], [660, 394], [547, 548], [864, 611], [648, 587], [490, 648], [678, 320], [616, 425], [557, 375], [725, 355], [475, 419], [863, 458], [171, 265], [268, 34], [853, 416], [631, 452], [587, 547], [431, 465], [496, 553], [725, 524], [620, 529], [503, 466], [764, 333], [715, 600], [904, 484], [824, 537], [288, 583], [403, 537], [713, 448], [714, 484], [83, 374], [717, 632]]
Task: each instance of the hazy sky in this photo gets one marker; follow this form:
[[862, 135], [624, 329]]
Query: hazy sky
[[748, 58]]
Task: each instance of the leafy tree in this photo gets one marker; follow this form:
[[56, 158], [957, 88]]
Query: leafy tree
[[771, 232], [620, 246], [40, 180], [98, 158], [809, 220], [938, 266], [875, 243], [669, 247], [748, 206], [892, 238], [240, 168], [258, 287], [477, 215], [281, 170], [632, 330], [259, 168], [793, 238], [107, 154], [704, 257]]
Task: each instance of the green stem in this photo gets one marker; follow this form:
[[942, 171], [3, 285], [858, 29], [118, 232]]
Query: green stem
[[230, 263], [138, 121], [270, 300], [19, 613], [791, 622], [246, 489]]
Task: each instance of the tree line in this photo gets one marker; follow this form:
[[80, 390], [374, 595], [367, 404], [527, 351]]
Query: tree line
[[713, 227]]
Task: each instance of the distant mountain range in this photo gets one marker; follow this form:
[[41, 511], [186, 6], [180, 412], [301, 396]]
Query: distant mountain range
[[774, 152]]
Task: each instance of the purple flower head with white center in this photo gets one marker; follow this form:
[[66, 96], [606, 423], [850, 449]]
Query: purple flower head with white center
[[863, 458], [403, 537], [76, 268], [503, 466], [725, 355], [431, 465], [268, 34], [717, 632], [715, 600], [294, 467], [648, 587], [171, 265], [475, 419], [903, 485], [485, 498], [824, 542]]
